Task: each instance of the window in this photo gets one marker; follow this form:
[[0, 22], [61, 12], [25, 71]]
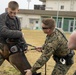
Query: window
[[37, 22], [20, 18], [39, 7], [62, 6], [31, 21], [71, 25], [59, 23], [75, 24]]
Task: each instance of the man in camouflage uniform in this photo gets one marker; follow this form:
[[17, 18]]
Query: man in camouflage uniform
[[56, 45], [12, 43]]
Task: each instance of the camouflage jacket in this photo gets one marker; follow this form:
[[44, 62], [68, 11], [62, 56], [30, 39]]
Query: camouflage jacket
[[55, 44]]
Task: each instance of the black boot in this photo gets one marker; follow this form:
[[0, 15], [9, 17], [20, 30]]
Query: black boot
[[36, 73]]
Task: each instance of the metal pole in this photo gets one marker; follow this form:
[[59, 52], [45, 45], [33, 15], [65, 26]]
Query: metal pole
[[28, 3], [57, 14]]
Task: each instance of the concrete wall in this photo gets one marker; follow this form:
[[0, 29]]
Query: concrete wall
[[25, 20], [69, 5]]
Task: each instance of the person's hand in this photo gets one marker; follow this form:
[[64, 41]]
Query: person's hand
[[28, 72], [39, 49]]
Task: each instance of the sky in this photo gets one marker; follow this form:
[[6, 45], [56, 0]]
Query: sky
[[23, 4]]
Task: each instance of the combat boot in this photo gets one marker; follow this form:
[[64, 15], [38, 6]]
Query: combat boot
[[36, 74]]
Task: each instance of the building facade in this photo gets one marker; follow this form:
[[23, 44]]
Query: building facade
[[63, 11], [67, 23], [62, 5], [31, 19]]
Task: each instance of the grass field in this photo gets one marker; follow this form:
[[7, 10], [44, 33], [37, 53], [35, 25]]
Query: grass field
[[35, 38]]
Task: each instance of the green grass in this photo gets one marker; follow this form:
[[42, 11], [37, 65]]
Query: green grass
[[35, 38]]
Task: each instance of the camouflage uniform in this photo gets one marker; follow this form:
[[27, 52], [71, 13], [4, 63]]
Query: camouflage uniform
[[55, 44]]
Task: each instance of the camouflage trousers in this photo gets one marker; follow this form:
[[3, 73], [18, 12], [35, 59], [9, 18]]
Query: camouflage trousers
[[60, 69], [4, 53]]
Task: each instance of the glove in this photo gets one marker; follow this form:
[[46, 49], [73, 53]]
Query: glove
[[23, 46]]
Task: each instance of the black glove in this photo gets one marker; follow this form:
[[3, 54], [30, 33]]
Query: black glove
[[23, 46]]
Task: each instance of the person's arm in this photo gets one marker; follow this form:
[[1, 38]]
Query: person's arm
[[6, 32], [72, 41], [46, 54], [41, 61], [49, 49]]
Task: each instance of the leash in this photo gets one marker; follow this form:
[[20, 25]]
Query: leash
[[34, 47]]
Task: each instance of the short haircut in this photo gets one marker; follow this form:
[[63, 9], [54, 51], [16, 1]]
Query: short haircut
[[13, 5], [49, 23]]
